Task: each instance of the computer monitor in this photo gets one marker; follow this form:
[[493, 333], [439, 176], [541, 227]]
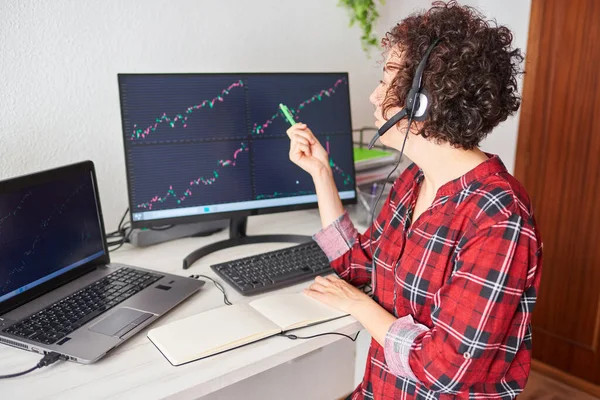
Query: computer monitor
[[214, 146]]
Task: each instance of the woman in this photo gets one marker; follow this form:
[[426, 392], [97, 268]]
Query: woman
[[455, 253]]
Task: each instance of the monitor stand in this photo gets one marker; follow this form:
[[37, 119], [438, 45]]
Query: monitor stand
[[238, 237]]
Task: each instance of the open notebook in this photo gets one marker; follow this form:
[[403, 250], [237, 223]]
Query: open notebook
[[225, 328]]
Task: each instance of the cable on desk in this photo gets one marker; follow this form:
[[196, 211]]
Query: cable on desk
[[294, 337], [121, 235], [217, 285], [120, 228], [366, 289], [48, 359], [162, 228]]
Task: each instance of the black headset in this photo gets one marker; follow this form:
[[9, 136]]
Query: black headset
[[417, 101]]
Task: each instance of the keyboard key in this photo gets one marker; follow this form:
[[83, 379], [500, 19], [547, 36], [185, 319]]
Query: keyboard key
[[245, 286], [286, 276]]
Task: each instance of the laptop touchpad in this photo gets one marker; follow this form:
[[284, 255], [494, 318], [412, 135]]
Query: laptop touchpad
[[120, 322]]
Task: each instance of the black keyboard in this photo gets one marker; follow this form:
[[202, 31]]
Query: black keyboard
[[58, 320], [276, 269]]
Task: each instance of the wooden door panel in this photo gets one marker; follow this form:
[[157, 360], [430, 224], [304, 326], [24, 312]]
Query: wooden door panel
[[558, 161]]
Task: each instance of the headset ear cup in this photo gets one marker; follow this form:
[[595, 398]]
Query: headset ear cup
[[422, 111], [411, 100]]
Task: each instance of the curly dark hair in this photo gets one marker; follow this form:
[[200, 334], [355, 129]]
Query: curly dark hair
[[470, 74]]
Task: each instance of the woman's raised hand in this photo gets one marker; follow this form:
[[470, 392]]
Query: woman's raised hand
[[306, 151]]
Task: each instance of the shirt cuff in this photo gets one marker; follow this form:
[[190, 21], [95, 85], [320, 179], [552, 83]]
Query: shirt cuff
[[398, 342], [337, 238]]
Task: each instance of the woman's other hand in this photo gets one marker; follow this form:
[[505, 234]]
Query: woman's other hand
[[337, 293]]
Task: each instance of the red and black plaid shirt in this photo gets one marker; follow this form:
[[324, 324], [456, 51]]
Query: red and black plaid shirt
[[462, 281]]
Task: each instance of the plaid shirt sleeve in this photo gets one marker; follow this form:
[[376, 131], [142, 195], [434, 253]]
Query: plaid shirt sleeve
[[350, 252], [480, 316]]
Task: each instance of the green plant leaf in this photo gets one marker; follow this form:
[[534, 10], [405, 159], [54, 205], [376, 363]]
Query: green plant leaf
[[363, 12]]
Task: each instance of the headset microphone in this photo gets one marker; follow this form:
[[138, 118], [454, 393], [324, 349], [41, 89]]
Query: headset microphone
[[417, 101], [392, 121]]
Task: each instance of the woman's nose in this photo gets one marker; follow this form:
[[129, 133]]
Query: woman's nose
[[374, 97]]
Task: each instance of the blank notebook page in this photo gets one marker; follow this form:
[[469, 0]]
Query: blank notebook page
[[294, 310], [210, 332]]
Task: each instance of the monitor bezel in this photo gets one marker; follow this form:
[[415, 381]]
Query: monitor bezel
[[49, 175], [226, 214]]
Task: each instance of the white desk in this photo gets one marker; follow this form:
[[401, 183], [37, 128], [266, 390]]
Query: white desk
[[136, 369]]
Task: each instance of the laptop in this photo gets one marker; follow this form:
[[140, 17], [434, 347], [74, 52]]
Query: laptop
[[58, 290]]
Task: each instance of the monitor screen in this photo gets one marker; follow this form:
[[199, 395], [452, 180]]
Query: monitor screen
[[205, 146], [46, 230]]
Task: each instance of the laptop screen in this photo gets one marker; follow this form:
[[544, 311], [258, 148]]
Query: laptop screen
[[46, 230]]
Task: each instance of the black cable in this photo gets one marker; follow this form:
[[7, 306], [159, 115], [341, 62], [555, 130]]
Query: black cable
[[377, 201], [122, 231], [217, 285], [19, 373], [114, 243], [162, 228], [383, 189], [122, 219], [48, 359], [113, 234], [118, 247], [119, 231], [294, 337], [119, 243]]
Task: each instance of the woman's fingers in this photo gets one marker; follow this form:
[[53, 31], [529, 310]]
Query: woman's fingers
[[322, 281], [322, 297], [306, 135], [298, 127], [299, 146], [318, 288], [304, 148], [300, 139]]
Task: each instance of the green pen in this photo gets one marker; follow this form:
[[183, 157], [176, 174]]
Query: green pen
[[287, 114]]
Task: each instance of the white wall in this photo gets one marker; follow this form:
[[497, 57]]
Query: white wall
[[59, 60], [514, 14]]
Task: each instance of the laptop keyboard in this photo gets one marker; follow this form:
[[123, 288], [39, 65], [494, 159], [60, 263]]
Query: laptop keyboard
[[58, 320], [274, 270]]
